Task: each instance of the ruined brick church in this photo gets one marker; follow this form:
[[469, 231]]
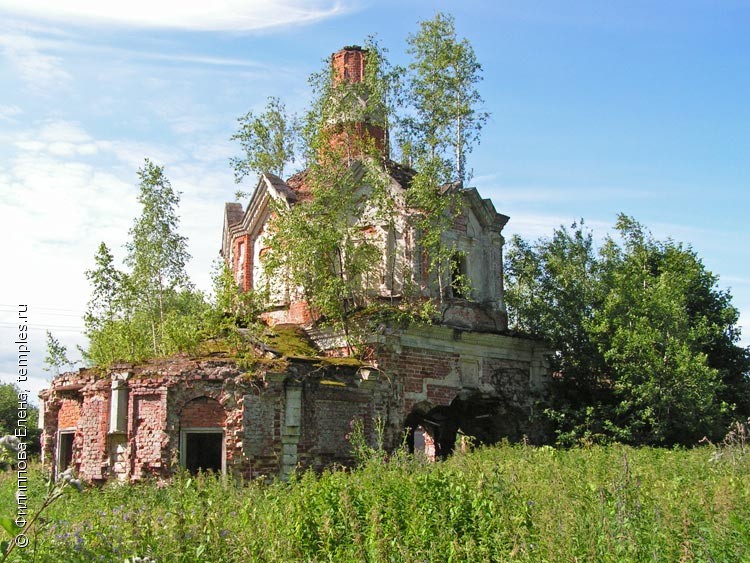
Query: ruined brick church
[[463, 376]]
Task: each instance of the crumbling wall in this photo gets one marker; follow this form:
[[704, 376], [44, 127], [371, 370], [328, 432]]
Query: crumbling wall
[[147, 438], [92, 434], [451, 382], [298, 413], [69, 412]]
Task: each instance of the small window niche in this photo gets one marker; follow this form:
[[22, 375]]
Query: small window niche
[[459, 276]]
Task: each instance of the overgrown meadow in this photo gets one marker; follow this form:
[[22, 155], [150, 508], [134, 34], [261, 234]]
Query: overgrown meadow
[[500, 503]]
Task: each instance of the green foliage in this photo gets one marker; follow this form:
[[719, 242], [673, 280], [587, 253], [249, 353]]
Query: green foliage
[[232, 308], [444, 125], [646, 345], [9, 395], [152, 309], [323, 246], [268, 141], [22, 531], [434, 203], [57, 355], [157, 253], [506, 503], [442, 90], [110, 316]]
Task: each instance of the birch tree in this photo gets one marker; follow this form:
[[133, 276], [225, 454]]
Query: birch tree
[[443, 91], [267, 140], [157, 253]]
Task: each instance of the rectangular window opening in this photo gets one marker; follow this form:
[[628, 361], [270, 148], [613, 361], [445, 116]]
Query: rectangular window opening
[[203, 450]]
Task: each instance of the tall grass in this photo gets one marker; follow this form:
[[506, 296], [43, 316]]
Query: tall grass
[[494, 504]]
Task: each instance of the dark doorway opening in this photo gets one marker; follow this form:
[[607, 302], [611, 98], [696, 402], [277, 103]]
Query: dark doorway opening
[[204, 451], [64, 450], [472, 420]]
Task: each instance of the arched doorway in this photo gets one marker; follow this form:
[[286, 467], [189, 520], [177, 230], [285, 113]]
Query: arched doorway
[[469, 419], [430, 430]]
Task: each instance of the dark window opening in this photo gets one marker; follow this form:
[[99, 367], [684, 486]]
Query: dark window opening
[[64, 450], [459, 280], [204, 451]]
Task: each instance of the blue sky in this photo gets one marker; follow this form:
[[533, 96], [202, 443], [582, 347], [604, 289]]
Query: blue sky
[[597, 108]]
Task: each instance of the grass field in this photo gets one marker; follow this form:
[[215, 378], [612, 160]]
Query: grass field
[[504, 503]]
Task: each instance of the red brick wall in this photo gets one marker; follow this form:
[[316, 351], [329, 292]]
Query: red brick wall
[[149, 453], [352, 139], [414, 365], [93, 426], [69, 413], [299, 313], [203, 412], [349, 66]]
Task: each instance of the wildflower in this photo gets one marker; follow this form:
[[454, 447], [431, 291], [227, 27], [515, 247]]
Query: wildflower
[[67, 478]]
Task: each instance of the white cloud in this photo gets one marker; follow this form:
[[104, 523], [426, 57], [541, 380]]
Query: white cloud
[[198, 60], [219, 15], [39, 70], [59, 138], [58, 203], [8, 112]]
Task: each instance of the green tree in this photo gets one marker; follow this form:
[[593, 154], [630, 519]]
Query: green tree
[[661, 318], [268, 141], [57, 355], [108, 286], [442, 90], [9, 397], [109, 311], [157, 253], [646, 345], [9, 409], [553, 290], [151, 309], [442, 128], [434, 203]]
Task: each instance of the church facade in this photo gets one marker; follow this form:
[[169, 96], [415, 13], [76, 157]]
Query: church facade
[[463, 378]]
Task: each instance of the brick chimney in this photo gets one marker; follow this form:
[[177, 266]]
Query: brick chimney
[[348, 66]]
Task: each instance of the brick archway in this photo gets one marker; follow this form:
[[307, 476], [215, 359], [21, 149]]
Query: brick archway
[[203, 412]]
